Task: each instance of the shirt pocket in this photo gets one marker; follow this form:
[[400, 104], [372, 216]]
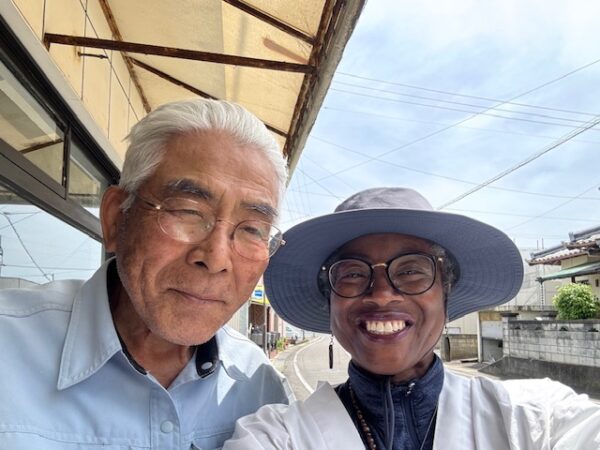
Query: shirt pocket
[[213, 441]]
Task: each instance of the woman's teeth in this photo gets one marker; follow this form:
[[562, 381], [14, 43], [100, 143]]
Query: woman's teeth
[[385, 327]]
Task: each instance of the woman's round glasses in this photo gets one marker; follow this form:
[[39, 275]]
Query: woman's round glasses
[[187, 220], [410, 274]]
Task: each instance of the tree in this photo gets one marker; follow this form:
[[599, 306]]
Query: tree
[[576, 301]]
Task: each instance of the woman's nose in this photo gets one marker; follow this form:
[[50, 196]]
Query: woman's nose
[[381, 288]]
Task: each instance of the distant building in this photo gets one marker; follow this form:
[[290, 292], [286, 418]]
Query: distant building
[[479, 334], [578, 259], [8, 283]]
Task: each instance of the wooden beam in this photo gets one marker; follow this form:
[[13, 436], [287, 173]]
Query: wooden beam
[[112, 23], [248, 9], [190, 88], [326, 27], [131, 47]]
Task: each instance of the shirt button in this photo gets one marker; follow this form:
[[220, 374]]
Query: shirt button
[[206, 365], [167, 426]]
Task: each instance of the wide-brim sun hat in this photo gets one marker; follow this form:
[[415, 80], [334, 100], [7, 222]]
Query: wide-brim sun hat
[[490, 266]]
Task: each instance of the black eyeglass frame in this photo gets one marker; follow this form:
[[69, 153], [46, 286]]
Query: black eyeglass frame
[[369, 286], [159, 207]]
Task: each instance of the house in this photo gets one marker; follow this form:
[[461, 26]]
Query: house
[[539, 345], [578, 259]]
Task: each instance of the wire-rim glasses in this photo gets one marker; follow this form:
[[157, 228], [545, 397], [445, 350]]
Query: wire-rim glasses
[[187, 220], [409, 274]]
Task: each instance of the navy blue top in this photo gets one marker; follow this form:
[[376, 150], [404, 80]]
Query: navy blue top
[[414, 406]]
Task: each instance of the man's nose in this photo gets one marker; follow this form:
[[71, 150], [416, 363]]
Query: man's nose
[[215, 250]]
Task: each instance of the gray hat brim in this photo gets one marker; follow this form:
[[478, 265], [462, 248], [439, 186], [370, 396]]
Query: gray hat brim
[[491, 268]]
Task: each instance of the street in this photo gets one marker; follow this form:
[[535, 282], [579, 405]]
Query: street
[[306, 364]]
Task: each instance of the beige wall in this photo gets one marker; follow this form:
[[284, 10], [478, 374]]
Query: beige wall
[[592, 280], [467, 324], [572, 262], [103, 85]]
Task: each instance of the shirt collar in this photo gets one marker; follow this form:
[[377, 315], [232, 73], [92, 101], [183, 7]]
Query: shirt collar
[[92, 339], [232, 356], [91, 336]]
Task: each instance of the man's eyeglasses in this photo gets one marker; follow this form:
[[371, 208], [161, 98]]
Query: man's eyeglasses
[[187, 220], [410, 274]]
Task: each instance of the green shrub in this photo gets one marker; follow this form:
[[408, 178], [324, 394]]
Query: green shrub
[[281, 344], [576, 301]]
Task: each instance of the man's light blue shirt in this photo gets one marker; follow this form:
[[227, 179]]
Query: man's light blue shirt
[[66, 383]]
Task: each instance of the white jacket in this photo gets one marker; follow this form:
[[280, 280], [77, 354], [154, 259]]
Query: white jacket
[[473, 414]]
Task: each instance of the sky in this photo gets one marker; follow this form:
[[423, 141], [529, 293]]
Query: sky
[[485, 107]]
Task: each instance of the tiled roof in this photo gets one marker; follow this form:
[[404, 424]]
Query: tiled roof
[[557, 256], [580, 243]]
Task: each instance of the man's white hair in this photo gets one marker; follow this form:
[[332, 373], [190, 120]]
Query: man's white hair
[[148, 138]]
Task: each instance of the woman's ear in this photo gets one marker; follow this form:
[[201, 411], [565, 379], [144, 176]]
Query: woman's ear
[[446, 295], [111, 216]]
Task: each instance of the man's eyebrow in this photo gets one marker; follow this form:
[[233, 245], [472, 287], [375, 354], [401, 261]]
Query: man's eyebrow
[[190, 187], [262, 208], [186, 186]]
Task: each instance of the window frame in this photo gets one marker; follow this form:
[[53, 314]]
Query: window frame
[[22, 176]]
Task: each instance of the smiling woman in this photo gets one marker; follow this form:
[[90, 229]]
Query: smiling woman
[[383, 274]]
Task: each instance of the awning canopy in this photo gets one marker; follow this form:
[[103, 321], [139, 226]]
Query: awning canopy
[[276, 58], [583, 269]]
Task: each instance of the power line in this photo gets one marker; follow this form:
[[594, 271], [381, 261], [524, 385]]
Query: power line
[[322, 187], [477, 97], [316, 193], [18, 266], [303, 194], [460, 122], [445, 177], [526, 161], [320, 166], [536, 235], [432, 122], [571, 219], [25, 248], [483, 112], [451, 102], [28, 214], [560, 205]]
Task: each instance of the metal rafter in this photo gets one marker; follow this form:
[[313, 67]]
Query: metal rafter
[[132, 47], [112, 23], [309, 79], [251, 10], [190, 88]]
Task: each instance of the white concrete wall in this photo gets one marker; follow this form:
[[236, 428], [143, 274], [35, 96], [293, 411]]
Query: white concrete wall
[[568, 342]]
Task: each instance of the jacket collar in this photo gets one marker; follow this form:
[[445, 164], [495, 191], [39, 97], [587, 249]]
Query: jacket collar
[[423, 392]]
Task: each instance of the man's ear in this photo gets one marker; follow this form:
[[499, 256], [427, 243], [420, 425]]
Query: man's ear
[[111, 216]]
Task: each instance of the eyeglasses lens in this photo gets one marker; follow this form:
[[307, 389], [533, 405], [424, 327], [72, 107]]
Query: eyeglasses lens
[[189, 221], [410, 274]]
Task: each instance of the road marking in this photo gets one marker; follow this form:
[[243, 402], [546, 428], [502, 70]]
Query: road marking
[[297, 371]]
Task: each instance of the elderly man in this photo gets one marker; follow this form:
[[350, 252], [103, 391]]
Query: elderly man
[[138, 356]]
